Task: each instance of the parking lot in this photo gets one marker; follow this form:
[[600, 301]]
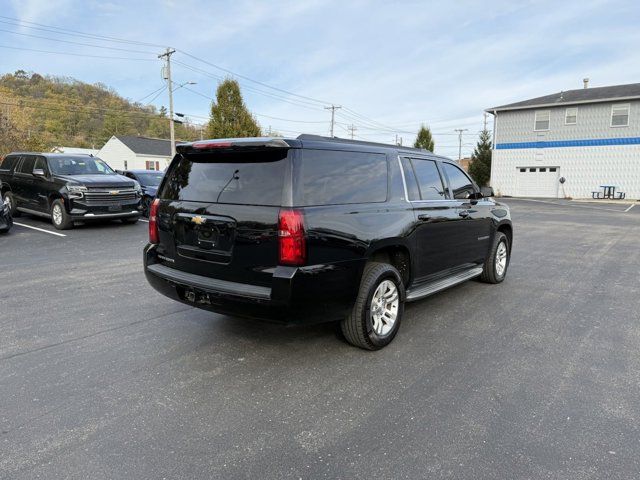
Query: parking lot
[[539, 377]]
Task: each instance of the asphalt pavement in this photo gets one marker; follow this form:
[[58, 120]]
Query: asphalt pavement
[[539, 377]]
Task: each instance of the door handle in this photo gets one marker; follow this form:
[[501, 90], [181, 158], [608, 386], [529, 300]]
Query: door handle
[[424, 217], [464, 213]]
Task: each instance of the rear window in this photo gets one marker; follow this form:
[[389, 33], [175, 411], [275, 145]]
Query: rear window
[[325, 177], [8, 163], [244, 178]]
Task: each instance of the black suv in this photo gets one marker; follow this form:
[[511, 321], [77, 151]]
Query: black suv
[[317, 229], [66, 188]]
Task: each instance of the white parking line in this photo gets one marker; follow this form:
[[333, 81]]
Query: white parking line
[[142, 220], [40, 229], [632, 205]]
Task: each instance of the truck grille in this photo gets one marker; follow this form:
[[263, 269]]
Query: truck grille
[[109, 196]]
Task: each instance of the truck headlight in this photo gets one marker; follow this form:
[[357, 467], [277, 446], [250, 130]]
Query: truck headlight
[[76, 191], [137, 188]]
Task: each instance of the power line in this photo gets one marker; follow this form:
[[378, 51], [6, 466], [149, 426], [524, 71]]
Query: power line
[[76, 43], [77, 54], [259, 114], [149, 94], [69, 32]]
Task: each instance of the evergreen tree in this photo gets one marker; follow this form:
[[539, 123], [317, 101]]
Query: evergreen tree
[[480, 167], [229, 115], [424, 139]]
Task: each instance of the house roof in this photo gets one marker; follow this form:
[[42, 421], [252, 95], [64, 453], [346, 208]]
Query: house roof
[[582, 95], [146, 145]]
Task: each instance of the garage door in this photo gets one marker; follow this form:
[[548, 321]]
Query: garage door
[[537, 181]]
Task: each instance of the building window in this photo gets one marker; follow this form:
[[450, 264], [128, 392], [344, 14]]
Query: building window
[[571, 116], [542, 120], [620, 115]]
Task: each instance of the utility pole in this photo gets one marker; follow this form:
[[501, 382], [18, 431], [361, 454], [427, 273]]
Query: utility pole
[[167, 55], [333, 109], [352, 128], [485, 121], [397, 139], [460, 130]]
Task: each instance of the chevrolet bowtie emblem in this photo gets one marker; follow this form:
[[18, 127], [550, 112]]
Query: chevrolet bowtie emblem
[[198, 220], [114, 192]]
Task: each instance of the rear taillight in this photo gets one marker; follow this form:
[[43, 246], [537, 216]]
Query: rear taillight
[[153, 222], [293, 246]]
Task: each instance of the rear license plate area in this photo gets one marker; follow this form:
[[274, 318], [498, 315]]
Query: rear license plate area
[[205, 237]]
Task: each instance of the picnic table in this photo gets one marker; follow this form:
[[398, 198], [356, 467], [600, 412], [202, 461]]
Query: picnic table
[[608, 191]]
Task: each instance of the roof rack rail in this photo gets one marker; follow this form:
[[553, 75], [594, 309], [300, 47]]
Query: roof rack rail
[[320, 138]]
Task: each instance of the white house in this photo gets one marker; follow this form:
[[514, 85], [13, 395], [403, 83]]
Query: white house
[[568, 144], [129, 153], [75, 151]]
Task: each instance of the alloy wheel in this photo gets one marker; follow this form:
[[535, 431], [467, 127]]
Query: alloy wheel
[[57, 214], [384, 307], [501, 259]]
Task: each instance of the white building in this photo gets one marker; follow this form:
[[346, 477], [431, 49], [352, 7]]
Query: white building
[[588, 137], [130, 153]]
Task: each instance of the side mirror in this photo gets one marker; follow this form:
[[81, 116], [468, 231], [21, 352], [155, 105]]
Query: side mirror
[[38, 172], [486, 192]]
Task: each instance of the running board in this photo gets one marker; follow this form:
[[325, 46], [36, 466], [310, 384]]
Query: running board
[[33, 212], [430, 288]]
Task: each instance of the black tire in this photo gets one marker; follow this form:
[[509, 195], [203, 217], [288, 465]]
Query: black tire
[[357, 327], [490, 272], [129, 221], [60, 221], [8, 197]]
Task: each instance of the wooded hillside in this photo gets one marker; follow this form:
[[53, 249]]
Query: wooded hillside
[[39, 112]]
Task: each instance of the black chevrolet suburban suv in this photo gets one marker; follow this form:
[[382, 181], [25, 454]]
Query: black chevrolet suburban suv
[[320, 229], [66, 188]]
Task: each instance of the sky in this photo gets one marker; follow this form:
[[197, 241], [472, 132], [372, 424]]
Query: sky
[[390, 65]]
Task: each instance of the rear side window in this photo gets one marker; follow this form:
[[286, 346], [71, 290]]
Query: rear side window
[[429, 181], [244, 178], [460, 184], [8, 163], [27, 165], [327, 177]]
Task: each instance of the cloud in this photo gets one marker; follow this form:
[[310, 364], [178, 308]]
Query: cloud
[[396, 63]]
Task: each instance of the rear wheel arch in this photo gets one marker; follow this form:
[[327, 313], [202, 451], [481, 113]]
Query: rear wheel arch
[[398, 256]]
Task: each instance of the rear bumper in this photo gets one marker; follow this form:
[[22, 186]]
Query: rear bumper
[[297, 295]]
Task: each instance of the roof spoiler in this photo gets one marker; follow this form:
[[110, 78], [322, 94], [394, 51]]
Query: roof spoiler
[[234, 143]]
